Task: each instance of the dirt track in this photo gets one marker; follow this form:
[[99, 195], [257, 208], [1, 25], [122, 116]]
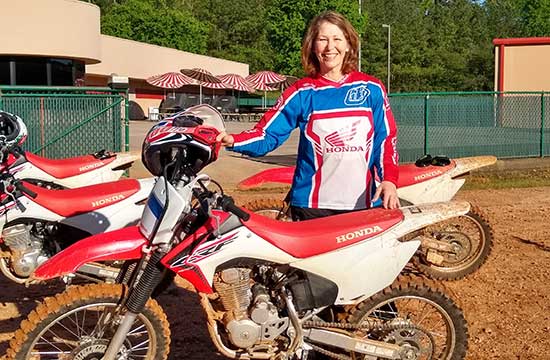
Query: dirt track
[[506, 303]]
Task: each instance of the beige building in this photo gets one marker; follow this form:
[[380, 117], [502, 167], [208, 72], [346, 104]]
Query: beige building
[[59, 43], [522, 64]]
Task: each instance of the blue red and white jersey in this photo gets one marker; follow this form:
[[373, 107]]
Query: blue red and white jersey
[[347, 130]]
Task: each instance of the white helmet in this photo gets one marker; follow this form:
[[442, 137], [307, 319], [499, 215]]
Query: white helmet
[[12, 129]]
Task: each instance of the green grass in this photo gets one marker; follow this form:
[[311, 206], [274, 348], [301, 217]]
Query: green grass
[[508, 179]]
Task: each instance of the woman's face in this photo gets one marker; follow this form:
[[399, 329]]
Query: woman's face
[[330, 47]]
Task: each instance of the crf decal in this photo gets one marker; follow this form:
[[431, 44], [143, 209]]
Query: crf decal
[[357, 95], [187, 261]]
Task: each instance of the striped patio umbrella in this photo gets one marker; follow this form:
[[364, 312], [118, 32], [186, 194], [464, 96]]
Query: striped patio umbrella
[[237, 82], [286, 83], [266, 77], [169, 80], [203, 77]]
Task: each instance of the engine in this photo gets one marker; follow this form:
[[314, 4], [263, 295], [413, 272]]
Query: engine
[[27, 250], [251, 318]]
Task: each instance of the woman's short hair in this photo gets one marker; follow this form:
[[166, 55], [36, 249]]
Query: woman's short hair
[[309, 59]]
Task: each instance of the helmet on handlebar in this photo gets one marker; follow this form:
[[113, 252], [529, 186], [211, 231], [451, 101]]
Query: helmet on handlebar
[[12, 129], [182, 141]]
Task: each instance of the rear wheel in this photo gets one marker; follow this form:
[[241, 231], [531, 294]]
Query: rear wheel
[[79, 323], [272, 208], [433, 326], [471, 239]]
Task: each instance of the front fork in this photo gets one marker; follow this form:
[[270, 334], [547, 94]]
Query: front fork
[[140, 291]]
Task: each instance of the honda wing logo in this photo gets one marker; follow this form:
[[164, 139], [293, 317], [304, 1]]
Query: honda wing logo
[[338, 140], [357, 95]]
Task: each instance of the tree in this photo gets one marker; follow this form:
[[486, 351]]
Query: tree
[[287, 23], [153, 22]]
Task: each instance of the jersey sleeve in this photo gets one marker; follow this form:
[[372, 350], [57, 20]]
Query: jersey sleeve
[[273, 128], [385, 154]]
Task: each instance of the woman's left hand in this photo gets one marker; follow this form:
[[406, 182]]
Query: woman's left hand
[[388, 190]]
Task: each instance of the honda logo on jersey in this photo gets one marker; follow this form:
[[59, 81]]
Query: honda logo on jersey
[[339, 140], [358, 233], [357, 95]]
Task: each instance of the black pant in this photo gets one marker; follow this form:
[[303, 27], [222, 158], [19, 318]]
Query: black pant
[[301, 214]]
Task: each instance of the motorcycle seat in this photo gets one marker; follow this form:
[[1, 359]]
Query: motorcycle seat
[[303, 239], [64, 168], [410, 174], [71, 202]]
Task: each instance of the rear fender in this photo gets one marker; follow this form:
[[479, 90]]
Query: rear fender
[[123, 160], [467, 164], [122, 244], [281, 175]]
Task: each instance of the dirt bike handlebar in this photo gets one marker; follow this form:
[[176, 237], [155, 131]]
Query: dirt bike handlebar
[[227, 204], [19, 186]]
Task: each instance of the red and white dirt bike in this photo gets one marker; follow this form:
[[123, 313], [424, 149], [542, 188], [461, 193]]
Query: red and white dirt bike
[[269, 289], [450, 250], [72, 172], [96, 168], [37, 222]]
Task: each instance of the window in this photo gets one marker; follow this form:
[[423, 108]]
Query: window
[[31, 71], [62, 72], [5, 71]]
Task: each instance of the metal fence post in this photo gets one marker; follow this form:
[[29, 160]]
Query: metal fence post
[[542, 110], [426, 117], [126, 122]]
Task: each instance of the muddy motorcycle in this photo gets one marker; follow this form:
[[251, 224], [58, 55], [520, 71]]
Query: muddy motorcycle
[[99, 167], [37, 222], [269, 289], [450, 250], [74, 172]]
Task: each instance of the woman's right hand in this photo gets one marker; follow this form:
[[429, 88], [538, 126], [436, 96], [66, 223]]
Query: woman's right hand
[[225, 139]]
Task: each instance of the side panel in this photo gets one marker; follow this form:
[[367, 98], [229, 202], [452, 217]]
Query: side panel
[[199, 266], [123, 244], [116, 216], [442, 188]]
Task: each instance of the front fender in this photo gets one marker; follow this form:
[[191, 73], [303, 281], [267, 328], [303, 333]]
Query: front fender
[[122, 244], [281, 175]]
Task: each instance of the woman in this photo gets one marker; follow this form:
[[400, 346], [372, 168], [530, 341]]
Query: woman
[[346, 126]]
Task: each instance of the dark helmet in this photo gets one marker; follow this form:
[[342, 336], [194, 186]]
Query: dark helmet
[[187, 138], [12, 129]]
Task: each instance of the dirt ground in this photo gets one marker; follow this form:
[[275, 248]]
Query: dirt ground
[[506, 303]]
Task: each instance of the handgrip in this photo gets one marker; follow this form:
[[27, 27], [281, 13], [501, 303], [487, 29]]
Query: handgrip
[[228, 205], [19, 186]]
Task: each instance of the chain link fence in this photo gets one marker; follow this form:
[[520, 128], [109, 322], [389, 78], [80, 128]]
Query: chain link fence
[[467, 124], [65, 122]]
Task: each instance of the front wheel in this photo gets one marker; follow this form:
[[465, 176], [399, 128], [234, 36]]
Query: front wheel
[[471, 240], [433, 325], [79, 323]]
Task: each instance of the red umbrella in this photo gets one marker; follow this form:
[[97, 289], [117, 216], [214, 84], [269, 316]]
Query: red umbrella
[[202, 76], [236, 82], [169, 80], [266, 77]]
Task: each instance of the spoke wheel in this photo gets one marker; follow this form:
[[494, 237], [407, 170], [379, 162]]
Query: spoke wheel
[[471, 239], [272, 208], [79, 323], [437, 328]]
